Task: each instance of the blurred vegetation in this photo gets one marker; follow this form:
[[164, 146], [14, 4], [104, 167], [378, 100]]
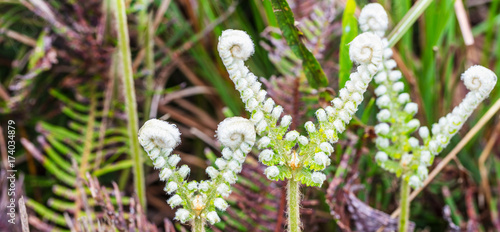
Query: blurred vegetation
[[61, 82]]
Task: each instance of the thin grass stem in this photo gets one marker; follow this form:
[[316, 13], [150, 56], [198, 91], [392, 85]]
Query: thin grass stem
[[130, 102], [416, 11]]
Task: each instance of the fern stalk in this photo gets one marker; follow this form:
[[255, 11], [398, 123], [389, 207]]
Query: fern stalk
[[130, 102], [405, 205], [293, 198], [198, 225], [146, 30]]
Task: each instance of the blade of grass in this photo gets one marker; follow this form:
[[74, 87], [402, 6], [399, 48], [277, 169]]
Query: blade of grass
[[416, 11], [349, 31], [130, 102], [314, 73]]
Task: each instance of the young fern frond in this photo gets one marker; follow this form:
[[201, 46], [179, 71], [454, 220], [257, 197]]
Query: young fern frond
[[288, 154], [198, 199], [399, 152]]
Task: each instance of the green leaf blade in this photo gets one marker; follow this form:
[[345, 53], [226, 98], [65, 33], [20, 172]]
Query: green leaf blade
[[286, 22]]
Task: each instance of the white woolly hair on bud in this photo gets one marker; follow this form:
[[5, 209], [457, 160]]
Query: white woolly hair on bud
[[366, 49], [159, 134], [235, 43], [373, 18], [479, 79], [232, 132]]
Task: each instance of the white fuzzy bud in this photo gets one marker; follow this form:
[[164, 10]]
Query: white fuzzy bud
[[382, 142], [382, 129], [220, 204], [350, 108], [229, 177], [326, 147], [268, 105], [413, 124], [158, 134], [338, 103], [383, 101], [310, 127], [395, 75], [321, 158], [193, 185], [182, 215], [212, 217], [256, 87], [174, 160], [285, 121], [331, 136], [174, 201], [223, 190], [422, 171], [339, 125], [236, 44], [403, 98], [264, 142], [212, 172], [433, 147], [227, 153], [233, 131], [398, 86], [366, 49], [292, 136], [252, 104], [381, 157], [221, 163], [357, 97], [184, 171], [246, 95], [239, 156], [415, 182], [318, 177], [330, 111], [261, 96], [257, 116], [411, 108], [479, 79], [272, 172], [261, 126], [234, 166], [266, 155], [159, 162], [380, 77], [413, 142], [277, 112], [203, 186], [171, 187], [380, 90], [165, 174], [384, 115], [321, 115], [303, 140], [425, 158], [373, 18]]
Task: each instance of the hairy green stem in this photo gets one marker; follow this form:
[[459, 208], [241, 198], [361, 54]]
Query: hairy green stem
[[410, 17], [130, 102], [198, 225], [293, 198], [405, 205]]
